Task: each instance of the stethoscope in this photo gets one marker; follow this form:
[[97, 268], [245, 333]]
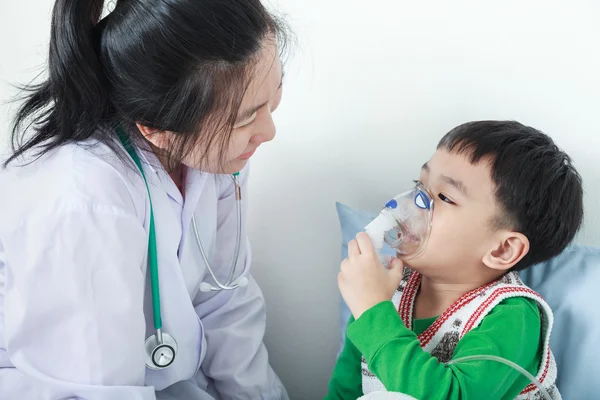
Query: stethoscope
[[161, 348]]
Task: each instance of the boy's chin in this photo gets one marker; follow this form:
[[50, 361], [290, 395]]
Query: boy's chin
[[413, 263], [410, 259], [419, 264]]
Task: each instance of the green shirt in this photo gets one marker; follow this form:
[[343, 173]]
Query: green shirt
[[512, 330]]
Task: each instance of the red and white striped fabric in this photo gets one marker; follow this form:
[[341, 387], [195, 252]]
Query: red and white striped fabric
[[466, 313]]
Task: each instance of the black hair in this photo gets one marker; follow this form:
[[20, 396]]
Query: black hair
[[172, 65], [536, 184]]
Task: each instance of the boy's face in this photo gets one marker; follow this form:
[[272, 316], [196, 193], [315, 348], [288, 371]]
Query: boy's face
[[462, 232]]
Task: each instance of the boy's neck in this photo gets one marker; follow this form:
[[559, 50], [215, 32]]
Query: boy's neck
[[434, 296]]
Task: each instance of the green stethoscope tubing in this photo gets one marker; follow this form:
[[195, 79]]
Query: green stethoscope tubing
[[152, 248]]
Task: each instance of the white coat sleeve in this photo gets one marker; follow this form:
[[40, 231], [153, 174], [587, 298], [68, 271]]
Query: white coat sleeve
[[74, 323], [234, 320]]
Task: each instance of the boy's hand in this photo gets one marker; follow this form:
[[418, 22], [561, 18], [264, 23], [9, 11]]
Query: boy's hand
[[363, 280]]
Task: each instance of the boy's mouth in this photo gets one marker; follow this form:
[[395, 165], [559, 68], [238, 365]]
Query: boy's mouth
[[408, 236]]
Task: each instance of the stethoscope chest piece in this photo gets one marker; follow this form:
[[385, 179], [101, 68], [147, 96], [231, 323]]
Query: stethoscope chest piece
[[160, 355]]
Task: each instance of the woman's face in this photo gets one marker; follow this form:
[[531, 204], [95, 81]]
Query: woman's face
[[253, 126], [254, 123]]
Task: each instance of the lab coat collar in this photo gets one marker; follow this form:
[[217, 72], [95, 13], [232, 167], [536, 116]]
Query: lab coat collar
[[151, 160], [194, 182]]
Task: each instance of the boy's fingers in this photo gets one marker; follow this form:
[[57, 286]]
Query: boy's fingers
[[353, 249], [340, 278], [364, 243], [344, 265], [396, 267]]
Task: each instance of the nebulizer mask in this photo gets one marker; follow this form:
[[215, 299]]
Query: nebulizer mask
[[404, 223]]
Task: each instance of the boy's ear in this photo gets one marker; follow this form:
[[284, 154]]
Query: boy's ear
[[157, 138], [511, 249]]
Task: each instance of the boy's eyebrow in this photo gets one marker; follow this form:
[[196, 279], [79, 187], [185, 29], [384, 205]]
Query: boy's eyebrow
[[459, 185]]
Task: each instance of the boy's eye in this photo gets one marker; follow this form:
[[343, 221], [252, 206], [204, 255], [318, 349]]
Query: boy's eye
[[445, 199]]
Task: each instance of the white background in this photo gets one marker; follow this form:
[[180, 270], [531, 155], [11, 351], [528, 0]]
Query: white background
[[371, 88]]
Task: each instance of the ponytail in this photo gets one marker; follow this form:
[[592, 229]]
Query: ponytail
[[73, 101], [184, 70]]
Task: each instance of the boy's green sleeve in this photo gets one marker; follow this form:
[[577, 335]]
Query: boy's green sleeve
[[512, 330], [346, 380]]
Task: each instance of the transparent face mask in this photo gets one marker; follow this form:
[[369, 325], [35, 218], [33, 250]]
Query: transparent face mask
[[406, 223]]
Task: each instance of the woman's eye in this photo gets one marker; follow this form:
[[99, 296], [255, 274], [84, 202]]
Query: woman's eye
[[445, 199], [248, 122]]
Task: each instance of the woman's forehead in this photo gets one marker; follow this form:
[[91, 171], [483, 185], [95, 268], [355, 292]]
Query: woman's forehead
[[265, 76]]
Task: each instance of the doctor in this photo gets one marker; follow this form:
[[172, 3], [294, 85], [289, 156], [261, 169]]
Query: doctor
[[124, 267]]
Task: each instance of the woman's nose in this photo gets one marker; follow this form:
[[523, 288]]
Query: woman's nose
[[265, 130]]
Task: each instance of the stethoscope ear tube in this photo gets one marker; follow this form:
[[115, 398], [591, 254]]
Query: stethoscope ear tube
[[206, 287], [243, 281]]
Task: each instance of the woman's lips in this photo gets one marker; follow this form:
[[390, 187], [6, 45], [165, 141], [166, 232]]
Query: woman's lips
[[246, 156]]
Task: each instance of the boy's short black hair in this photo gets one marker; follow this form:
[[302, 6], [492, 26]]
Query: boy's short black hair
[[537, 185]]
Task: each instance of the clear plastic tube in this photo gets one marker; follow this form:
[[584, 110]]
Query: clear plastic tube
[[482, 357]]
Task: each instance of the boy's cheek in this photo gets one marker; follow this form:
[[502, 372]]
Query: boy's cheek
[[442, 247]]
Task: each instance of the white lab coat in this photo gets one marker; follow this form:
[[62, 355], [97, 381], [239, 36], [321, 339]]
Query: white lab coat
[[75, 303]]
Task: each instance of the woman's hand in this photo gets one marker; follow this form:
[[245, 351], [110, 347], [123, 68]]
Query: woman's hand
[[363, 280]]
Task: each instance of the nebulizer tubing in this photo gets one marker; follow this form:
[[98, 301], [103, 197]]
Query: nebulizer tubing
[[488, 357]]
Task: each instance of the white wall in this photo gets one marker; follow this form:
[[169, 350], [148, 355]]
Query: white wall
[[24, 34], [371, 89]]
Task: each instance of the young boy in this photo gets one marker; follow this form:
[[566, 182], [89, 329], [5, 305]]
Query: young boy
[[505, 198]]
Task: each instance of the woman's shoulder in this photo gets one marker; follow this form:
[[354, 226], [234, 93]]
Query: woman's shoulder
[[73, 176]]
